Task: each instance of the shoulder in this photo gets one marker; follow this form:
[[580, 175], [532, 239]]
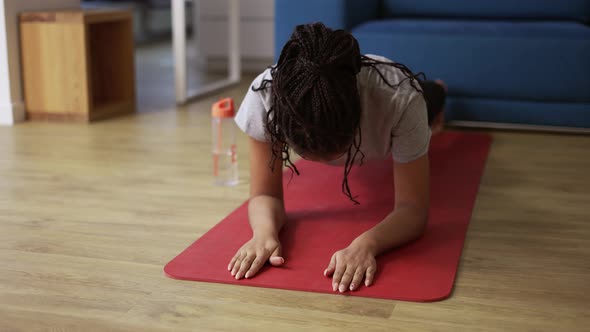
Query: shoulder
[[386, 88], [378, 76], [260, 88], [251, 116], [264, 75]]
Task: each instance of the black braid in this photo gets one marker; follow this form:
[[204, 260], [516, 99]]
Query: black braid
[[316, 104]]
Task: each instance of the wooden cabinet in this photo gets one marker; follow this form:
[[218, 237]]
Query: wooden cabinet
[[77, 65]]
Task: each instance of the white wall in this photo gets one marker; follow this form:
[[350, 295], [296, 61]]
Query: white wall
[[6, 113], [256, 32], [11, 96]]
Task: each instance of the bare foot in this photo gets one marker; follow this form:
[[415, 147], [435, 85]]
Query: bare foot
[[442, 83], [438, 123]]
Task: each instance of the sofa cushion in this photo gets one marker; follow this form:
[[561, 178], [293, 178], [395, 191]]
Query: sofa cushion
[[535, 9], [522, 60], [574, 115]]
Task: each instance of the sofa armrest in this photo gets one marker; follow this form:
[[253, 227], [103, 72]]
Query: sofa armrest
[[336, 14]]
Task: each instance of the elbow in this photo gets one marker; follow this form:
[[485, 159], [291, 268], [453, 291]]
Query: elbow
[[421, 224], [415, 219]]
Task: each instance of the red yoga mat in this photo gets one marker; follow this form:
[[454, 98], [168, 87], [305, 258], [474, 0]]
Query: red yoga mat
[[321, 220]]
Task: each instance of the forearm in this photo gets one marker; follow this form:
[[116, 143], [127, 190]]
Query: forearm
[[266, 214], [404, 224]]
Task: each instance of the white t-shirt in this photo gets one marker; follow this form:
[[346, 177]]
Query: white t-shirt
[[394, 121]]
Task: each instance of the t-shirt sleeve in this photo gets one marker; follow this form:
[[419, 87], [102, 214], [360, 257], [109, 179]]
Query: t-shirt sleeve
[[411, 135], [251, 116]]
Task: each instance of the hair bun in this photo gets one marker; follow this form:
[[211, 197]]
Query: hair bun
[[320, 49], [343, 51]]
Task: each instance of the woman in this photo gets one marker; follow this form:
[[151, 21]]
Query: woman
[[328, 103]]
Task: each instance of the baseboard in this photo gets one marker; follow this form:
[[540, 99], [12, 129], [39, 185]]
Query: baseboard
[[57, 117], [527, 127], [12, 113]]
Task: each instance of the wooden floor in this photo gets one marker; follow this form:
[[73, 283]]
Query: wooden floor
[[154, 75], [89, 215]]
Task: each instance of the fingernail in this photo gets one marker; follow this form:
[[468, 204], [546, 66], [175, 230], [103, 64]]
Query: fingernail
[[247, 275], [334, 286], [351, 287], [367, 283], [342, 288], [233, 273], [325, 272]]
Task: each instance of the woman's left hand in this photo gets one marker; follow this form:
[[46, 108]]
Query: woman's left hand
[[349, 266]]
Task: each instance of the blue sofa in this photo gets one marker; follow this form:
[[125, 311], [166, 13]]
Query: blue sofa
[[524, 62]]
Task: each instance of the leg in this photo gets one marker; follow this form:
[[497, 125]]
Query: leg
[[435, 93]]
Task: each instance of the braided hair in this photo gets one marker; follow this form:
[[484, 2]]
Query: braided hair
[[316, 103]]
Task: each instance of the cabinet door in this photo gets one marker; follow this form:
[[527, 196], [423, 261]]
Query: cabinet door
[[256, 39], [249, 9], [256, 28]]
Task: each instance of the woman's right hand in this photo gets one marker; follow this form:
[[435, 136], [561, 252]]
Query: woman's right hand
[[254, 254], [266, 214]]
